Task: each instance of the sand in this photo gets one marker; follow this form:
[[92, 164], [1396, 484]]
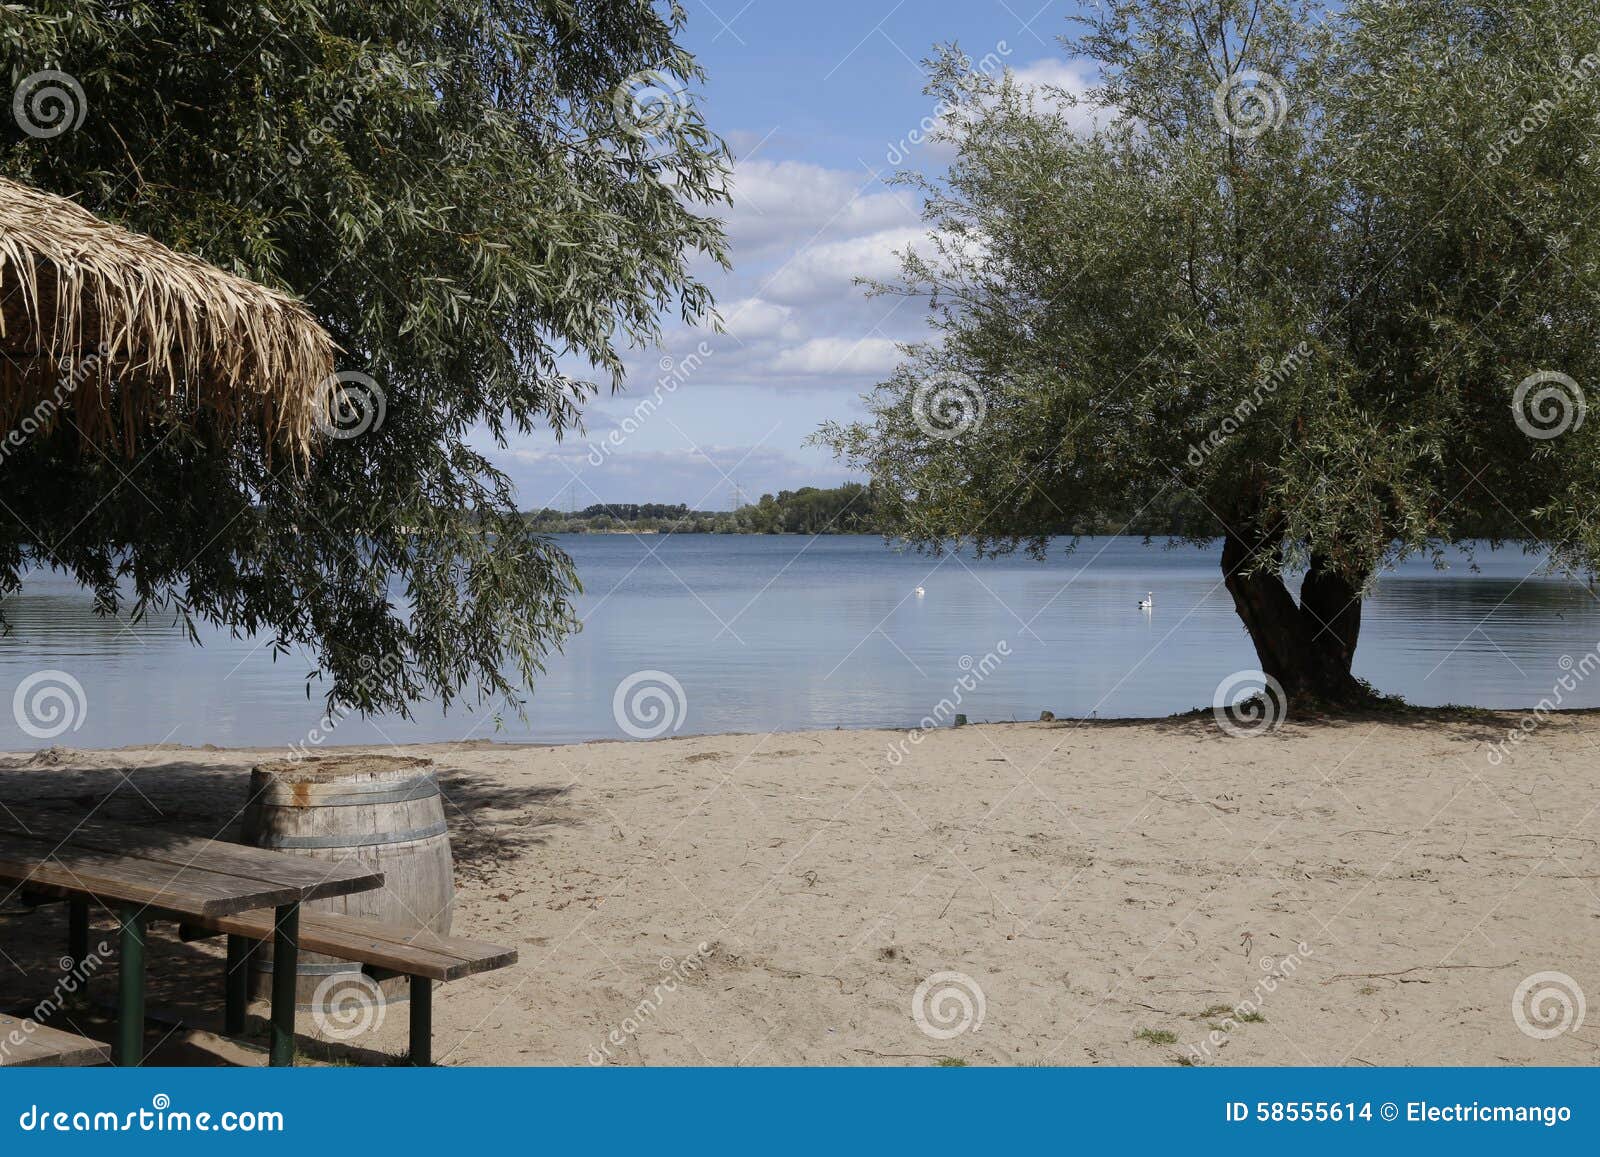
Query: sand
[[1153, 893]]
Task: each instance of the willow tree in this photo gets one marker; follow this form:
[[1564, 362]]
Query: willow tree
[[471, 196], [1330, 275]]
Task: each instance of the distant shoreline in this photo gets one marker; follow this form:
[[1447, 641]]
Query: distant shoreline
[[1404, 715]]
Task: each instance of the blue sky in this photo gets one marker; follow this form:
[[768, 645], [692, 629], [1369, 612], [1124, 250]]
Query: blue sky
[[818, 100]]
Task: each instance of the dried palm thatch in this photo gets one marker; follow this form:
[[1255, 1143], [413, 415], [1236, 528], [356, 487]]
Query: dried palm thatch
[[115, 333]]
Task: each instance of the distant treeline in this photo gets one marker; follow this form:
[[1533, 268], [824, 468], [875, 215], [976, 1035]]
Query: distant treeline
[[846, 509], [853, 509]]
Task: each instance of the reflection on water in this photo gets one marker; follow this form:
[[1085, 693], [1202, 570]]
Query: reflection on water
[[780, 633]]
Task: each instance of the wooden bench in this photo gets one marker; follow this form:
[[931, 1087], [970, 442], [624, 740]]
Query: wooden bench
[[26, 1042], [383, 950], [142, 873]]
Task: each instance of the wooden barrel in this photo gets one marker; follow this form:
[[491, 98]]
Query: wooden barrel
[[384, 811]]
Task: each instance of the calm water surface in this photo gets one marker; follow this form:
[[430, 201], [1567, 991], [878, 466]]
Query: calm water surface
[[789, 633]]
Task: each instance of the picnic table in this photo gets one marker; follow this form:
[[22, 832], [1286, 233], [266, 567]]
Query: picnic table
[[138, 873]]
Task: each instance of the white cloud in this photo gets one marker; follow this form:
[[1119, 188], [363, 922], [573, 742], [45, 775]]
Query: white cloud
[[753, 318], [789, 204], [832, 267], [837, 355], [792, 312], [800, 235]]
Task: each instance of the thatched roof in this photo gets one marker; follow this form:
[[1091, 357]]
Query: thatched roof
[[116, 333]]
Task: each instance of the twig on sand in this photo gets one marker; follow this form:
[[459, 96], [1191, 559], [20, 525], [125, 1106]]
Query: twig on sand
[[794, 974], [1227, 811], [1400, 974]]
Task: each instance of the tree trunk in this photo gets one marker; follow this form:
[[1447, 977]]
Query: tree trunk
[[1330, 607], [1307, 648]]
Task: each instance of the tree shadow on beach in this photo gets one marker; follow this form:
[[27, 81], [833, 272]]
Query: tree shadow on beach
[[492, 826], [1467, 724], [491, 822]]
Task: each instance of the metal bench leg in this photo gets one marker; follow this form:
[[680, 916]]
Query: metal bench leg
[[285, 973], [130, 984], [421, 1021], [236, 985], [78, 935]]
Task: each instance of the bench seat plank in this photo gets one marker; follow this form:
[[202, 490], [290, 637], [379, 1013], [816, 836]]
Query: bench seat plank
[[360, 940], [43, 1045]]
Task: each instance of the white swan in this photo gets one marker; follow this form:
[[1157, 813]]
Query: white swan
[[1148, 601], [920, 592]]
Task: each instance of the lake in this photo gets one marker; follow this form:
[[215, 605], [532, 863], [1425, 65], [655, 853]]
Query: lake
[[777, 633]]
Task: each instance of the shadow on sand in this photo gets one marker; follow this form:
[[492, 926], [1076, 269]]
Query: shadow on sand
[[492, 826]]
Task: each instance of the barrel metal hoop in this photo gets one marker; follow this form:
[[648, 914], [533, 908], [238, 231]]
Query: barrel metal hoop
[[422, 787], [355, 840]]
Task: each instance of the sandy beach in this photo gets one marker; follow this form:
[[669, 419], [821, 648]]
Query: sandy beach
[[1151, 893]]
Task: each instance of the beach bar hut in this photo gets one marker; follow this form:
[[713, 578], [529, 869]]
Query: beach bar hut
[[119, 335]]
